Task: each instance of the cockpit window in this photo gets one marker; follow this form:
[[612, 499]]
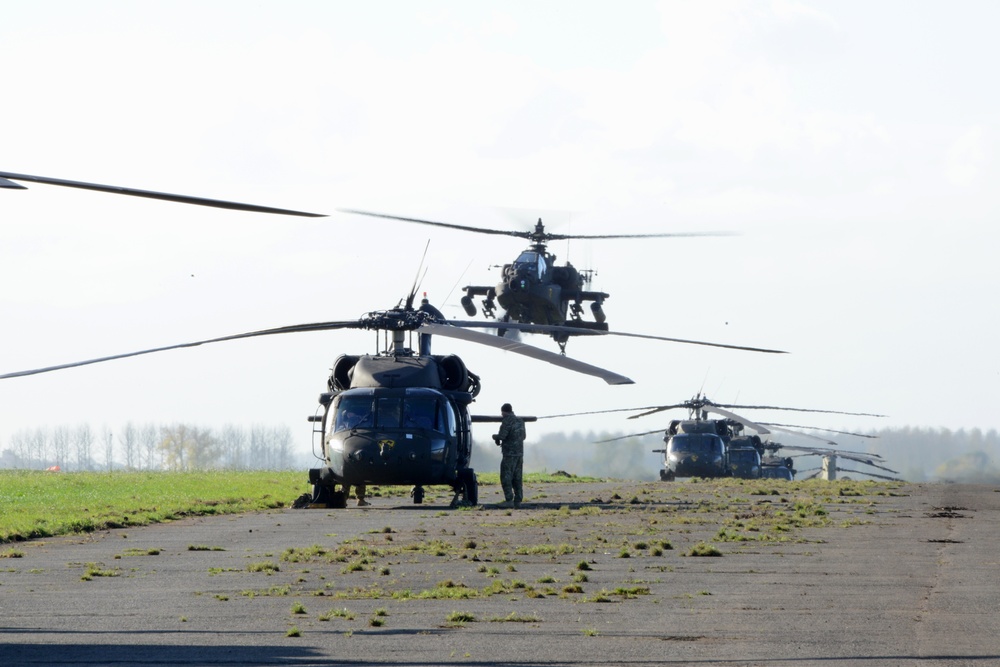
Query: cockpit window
[[355, 412], [696, 443], [420, 413], [388, 412], [533, 262]]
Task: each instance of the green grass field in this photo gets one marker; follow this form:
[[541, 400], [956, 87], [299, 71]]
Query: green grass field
[[42, 504], [37, 504]]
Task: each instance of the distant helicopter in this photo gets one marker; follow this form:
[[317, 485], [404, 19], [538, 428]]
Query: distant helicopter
[[535, 290], [704, 447], [411, 422]]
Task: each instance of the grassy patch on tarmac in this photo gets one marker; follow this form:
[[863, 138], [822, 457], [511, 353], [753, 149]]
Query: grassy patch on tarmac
[[43, 504]]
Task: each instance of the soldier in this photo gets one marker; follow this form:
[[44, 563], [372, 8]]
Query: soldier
[[359, 490], [511, 442]]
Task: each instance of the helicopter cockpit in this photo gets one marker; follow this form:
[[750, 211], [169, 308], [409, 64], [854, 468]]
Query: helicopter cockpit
[[530, 263], [700, 454], [414, 410]]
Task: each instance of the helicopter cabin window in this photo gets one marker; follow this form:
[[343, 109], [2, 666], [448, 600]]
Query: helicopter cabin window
[[419, 412], [355, 412], [531, 261]]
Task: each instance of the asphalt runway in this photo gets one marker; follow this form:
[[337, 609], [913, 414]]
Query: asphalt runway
[[584, 574]]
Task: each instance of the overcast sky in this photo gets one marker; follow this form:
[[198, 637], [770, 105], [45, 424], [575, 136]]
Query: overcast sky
[[851, 146]]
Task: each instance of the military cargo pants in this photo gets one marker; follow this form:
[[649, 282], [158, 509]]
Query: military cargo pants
[[510, 477]]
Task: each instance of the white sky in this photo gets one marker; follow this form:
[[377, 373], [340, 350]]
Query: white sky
[[852, 145]]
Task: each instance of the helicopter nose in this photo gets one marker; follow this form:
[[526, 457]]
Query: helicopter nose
[[519, 284]]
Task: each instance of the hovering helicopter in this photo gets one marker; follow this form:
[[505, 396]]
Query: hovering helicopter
[[535, 290], [704, 447], [397, 417]]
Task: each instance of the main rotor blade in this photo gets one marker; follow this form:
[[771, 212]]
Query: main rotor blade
[[297, 328], [631, 435], [576, 331], [467, 228], [871, 474], [803, 435], [816, 428], [743, 420], [526, 350], [149, 194], [531, 235], [867, 461], [562, 237], [601, 412], [774, 446], [776, 407]]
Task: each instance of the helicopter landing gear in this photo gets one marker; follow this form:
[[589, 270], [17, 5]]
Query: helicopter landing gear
[[466, 489], [337, 500], [502, 331], [561, 339], [667, 475], [489, 308], [418, 494]]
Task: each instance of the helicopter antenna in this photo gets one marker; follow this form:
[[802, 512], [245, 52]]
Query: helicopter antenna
[[457, 282], [418, 278]]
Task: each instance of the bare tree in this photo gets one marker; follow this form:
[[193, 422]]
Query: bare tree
[[129, 441], [234, 441], [20, 443], [258, 448], [38, 443], [83, 440], [60, 445], [149, 437], [109, 447], [281, 445]]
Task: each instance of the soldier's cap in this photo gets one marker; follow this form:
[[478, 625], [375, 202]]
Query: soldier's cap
[[506, 408]]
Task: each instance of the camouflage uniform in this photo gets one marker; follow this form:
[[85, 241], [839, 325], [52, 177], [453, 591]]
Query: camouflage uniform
[[511, 439]]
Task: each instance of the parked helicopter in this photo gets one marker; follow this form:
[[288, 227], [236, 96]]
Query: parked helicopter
[[535, 290], [704, 447], [417, 426]]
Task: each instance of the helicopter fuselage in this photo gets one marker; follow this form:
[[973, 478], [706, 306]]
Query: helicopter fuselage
[[536, 291], [396, 420], [394, 436], [708, 448]]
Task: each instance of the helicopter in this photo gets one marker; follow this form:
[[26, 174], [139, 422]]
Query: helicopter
[[414, 424], [704, 447], [400, 416], [533, 289]]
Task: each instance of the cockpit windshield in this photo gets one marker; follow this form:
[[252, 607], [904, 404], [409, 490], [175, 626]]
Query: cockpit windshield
[[702, 444], [388, 412], [533, 262]]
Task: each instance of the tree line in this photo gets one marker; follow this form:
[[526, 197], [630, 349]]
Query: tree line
[[176, 447], [918, 454]]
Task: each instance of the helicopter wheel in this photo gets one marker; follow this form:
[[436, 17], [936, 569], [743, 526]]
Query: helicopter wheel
[[418, 495], [666, 475], [469, 486]]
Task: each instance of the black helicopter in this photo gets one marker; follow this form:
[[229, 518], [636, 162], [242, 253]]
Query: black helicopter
[[413, 424], [703, 447], [533, 289], [400, 416]]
